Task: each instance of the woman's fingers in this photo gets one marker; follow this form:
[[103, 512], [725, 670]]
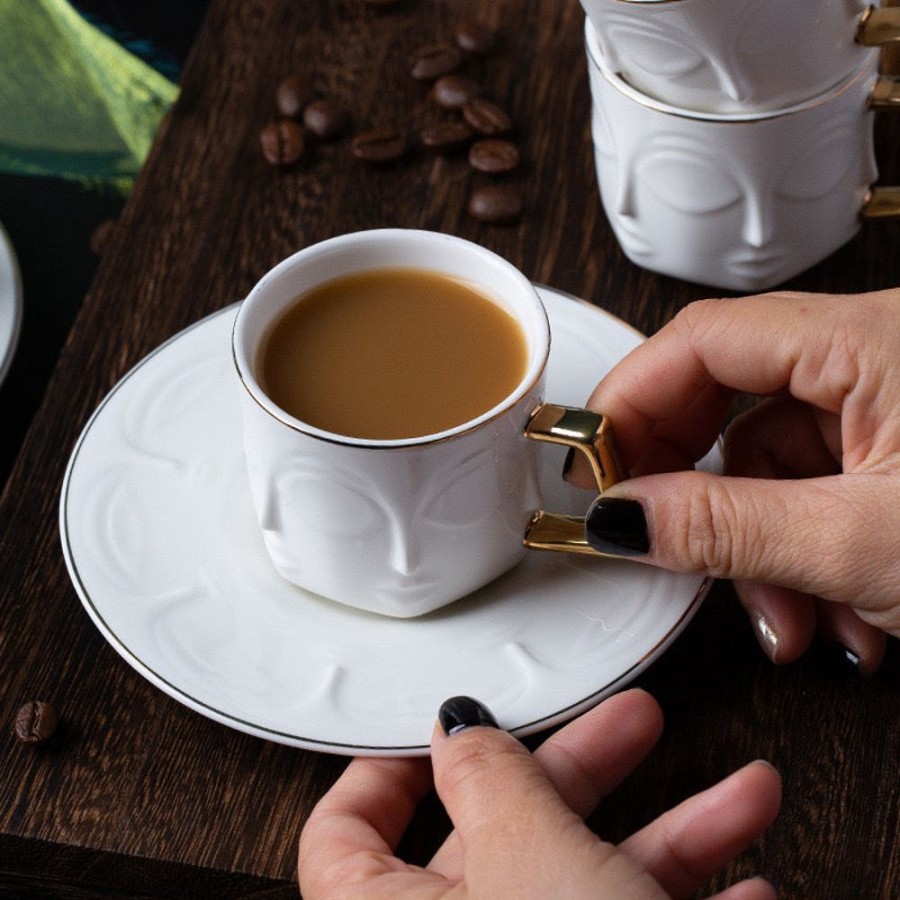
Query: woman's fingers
[[351, 834], [813, 535], [688, 844], [783, 620], [585, 760], [864, 644], [668, 398], [751, 889], [520, 838]]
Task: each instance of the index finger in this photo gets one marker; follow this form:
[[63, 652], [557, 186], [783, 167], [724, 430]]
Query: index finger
[[669, 397]]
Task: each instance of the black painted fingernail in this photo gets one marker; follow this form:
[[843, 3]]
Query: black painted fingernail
[[844, 658], [567, 465], [851, 657], [617, 526], [459, 713]]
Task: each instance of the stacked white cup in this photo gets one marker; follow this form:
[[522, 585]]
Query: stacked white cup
[[734, 138]]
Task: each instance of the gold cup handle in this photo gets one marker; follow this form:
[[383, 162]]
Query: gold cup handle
[[886, 92], [879, 26], [591, 434], [882, 203]]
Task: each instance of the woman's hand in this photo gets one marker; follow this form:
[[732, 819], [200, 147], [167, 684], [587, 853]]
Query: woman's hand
[[518, 818], [807, 519]]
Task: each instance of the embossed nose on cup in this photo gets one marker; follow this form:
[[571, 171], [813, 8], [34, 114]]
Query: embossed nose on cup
[[723, 56], [741, 202], [404, 526]]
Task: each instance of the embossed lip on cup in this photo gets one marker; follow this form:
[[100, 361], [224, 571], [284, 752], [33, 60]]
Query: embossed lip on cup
[[404, 526], [741, 202], [723, 56]]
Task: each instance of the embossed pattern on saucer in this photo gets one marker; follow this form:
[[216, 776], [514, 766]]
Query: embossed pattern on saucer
[[162, 546]]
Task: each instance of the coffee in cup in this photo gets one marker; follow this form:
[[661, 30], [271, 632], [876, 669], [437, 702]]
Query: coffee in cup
[[392, 353]]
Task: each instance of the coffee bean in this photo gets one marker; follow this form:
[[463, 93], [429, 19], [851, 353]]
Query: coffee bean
[[497, 204], [282, 142], [446, 136], [494, 156], [436, 60], [36, 722], [291, 96], [382, 145], [454, 91], [486, 117], [101, 236], [476, 37], [326, 120]]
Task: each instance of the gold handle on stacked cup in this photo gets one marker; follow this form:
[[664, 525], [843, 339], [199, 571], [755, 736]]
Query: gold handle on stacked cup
[[883, 202], [879, 26]]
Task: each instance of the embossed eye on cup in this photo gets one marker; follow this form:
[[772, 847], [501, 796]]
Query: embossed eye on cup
[[403, 525], [742, 202], [724, 56]]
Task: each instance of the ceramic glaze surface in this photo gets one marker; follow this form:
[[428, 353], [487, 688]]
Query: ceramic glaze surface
[[400, 532], [730, 55], [162, 543], [10, 303], [740, 203], [397, 527]]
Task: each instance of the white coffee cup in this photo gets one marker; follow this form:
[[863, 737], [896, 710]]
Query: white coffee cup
[[742, 202], [722, 56], [402, 527]]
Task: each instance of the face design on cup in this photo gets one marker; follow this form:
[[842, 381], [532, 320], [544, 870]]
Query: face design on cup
[[651, 53], [695, 208], [685, 53], [422, 522]]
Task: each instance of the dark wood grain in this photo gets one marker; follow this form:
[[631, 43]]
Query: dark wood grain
[[138, 796]]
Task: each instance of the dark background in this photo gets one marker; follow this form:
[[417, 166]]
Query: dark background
[[50, 220]]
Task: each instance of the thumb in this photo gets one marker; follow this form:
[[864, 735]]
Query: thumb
[[519, 837], [815, 535]]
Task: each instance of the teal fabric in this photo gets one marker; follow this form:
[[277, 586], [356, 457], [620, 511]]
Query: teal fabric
[[73, 103]]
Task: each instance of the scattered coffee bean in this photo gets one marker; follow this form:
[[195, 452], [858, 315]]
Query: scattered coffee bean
[[382, 145], [494, 156], [446, 136], [497, 204], [486, 117], [282, 142], [436, 60], [291, 96], [454, 91], [36, 722], [101, 236], [326, 120], [476, 37]]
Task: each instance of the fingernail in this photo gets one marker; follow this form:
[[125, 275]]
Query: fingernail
[[766, 635], [460, 713], [847, 658], [851, 657], [617, 526]]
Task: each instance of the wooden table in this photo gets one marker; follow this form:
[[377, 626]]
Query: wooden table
[[139, 796]]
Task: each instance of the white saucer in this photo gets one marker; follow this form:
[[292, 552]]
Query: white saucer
[[162, 545], [10, 303]]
